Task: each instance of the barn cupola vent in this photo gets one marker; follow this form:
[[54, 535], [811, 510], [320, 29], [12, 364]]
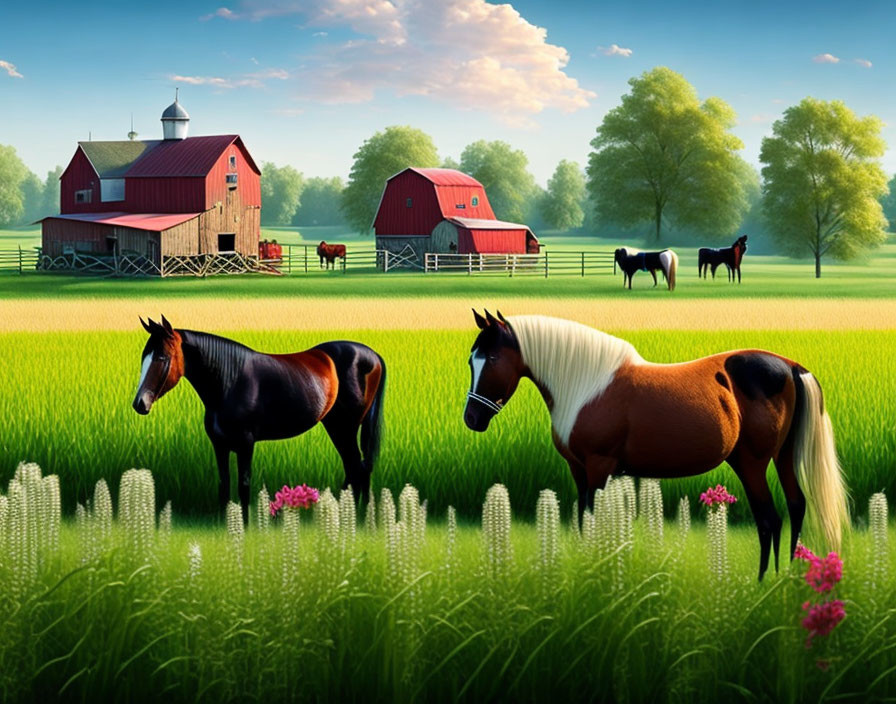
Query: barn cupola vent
[[175, 121]]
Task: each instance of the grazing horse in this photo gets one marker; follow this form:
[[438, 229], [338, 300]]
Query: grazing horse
[[250, 396], [631, 260], [731, 257], [612, 412], [330, 252]]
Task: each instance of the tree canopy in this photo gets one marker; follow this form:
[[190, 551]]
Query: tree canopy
[[561, 205], [662, 155], [281, 192], [822, 181], [888, 203], [13, 173], [321, 200], [502, 172], [383, 155]]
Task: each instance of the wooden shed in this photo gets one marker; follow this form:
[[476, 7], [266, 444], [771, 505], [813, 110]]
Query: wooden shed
[[443, 211], [160, 201]]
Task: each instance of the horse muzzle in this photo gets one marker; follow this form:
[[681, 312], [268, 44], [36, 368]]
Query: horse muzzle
[[143, 403], [479, 412]]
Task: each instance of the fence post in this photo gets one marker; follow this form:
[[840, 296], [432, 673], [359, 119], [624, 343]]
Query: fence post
[[306, 258], [344, 262], [289, 261], [385, 261], [20, 259], [583, 264], [545, 265]]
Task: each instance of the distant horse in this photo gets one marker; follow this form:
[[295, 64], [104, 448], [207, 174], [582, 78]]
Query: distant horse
[[330, 252], [250, 396], [731, 257], [612, 413], [631, 260]]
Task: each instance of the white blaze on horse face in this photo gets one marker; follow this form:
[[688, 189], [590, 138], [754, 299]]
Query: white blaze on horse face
[[477, 360], [147, 363]]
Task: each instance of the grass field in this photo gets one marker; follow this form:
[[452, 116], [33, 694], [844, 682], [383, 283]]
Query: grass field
[[66, 403], [629, 611]]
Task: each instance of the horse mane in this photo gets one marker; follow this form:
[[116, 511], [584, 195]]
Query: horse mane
[[574, 362], [221, 356]]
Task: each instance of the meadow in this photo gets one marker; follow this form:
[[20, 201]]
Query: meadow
[[66, 403], [396, 607]]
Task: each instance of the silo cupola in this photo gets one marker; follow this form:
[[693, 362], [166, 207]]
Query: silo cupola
[[175, 121]]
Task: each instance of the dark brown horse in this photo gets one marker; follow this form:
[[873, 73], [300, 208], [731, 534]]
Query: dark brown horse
[[632, 260], [710, 259], [614, 413], [250, 396], [330, 252]]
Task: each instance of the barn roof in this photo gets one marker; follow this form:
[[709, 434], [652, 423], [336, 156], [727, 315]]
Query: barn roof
[[443, 177], [482, 224], [113, 159], [152, 222], [194, 156]]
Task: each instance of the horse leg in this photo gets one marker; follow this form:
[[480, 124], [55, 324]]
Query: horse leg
[[222, 457], [244, 466], [751, 472], [653, 274], [344, 435], [796, 500], [598, 469]]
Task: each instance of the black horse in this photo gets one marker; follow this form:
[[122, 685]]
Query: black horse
[[665, 261], [251, 396], [731, 257]]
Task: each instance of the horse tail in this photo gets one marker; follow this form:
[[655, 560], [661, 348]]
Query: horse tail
[[669, 260], [815, 460], [372, 424]]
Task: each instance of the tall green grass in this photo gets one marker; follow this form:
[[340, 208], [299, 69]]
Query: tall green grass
[[65, 402]]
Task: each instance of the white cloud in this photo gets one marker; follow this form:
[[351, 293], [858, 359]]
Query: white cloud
[[863, 62], [253, 60], [246, 80], [826, 59], [320, 34], [10, 69], [615, 50], [761, 118], [469, 53], [223, 13]]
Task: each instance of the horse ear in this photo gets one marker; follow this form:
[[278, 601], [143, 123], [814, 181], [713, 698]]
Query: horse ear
[[501, 317], [145, 326], [481, 322], [166, 326], [490, 319]]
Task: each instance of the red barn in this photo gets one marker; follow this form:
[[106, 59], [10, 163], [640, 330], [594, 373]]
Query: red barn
[[165, 203], [444, 211]]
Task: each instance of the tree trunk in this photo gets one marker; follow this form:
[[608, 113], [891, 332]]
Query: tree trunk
[[817, 265], [659, 218]]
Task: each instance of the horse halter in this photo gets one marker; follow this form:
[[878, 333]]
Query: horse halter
[[155, 393], [487, 402]]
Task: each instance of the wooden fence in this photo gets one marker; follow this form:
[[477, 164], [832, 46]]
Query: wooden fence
[[543, 264], [18, 260], [303, 259]]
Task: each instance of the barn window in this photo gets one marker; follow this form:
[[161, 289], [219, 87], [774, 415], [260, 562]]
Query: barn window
[[475, 201], [111, 189], [231, 180], [409, 202], [227, 242], [84, 196], [233, 161]]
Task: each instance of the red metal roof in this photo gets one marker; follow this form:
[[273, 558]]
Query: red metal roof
[[194, 156], [152, 222], [482, 224], [443, 177]]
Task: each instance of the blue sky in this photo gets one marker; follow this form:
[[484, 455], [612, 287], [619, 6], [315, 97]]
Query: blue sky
[[306, 82]]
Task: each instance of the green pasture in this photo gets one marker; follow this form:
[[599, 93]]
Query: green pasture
[[204, 616], [763, 275], [65, 403]]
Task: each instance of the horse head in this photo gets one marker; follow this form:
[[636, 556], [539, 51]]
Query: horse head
[[496, 366], [163, 364], [618, 256]]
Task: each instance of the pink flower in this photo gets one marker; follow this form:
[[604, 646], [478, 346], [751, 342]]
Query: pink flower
[[297, 497], [822, 618], [823, 573], [713, 497]]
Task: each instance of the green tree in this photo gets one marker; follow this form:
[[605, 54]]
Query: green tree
[[12, 173], [502, 172], [449, 163], [383, 155], [561, 205], [822, 181], [664, 155], [888, 203], [321, 200], [51, 191], [32, 199], [281, 192]]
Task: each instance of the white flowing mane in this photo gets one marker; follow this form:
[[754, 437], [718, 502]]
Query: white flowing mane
[[574, 362]]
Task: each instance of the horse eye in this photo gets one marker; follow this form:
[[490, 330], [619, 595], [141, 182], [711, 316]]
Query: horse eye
[[492, 359]]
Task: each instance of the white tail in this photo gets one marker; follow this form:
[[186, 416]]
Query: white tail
[[817, 467], [669, 260]]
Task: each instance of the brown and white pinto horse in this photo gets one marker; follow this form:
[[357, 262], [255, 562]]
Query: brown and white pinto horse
[[330, 252], [250, 396], [612, 412]]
